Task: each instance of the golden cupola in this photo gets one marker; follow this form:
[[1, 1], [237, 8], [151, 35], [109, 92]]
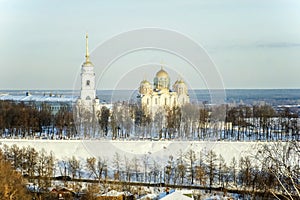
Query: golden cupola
[[162, 80], [145, 87], [180, 87]]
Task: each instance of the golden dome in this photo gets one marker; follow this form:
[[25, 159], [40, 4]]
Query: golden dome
[[180, 81], [145, 82], [162, 74]]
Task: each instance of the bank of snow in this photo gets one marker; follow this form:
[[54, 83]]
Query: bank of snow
[[158, 150]]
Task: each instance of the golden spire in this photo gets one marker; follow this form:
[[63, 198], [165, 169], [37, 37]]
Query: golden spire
[[87, 55]]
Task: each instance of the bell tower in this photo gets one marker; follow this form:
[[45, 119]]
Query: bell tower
[[88, 90]]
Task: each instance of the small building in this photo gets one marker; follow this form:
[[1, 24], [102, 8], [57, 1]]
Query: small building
[[62, 193]]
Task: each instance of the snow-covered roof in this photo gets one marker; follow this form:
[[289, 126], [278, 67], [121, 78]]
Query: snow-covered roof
[[38, 98], [148, 196], [176, 196], [114, 193]]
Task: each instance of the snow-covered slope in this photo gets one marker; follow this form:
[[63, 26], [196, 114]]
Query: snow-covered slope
[[157, 150]]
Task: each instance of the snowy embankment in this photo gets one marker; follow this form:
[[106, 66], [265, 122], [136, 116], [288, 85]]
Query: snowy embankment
[[157, 150]]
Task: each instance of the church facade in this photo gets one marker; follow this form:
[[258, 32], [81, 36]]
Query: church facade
[[159, 95]]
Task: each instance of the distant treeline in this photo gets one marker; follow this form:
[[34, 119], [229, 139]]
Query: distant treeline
[[125, 120]]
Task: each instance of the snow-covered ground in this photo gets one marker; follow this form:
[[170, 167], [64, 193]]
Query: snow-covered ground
[[157, 150]]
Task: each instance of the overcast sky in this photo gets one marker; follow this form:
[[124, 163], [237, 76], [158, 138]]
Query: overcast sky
[[254, 43]]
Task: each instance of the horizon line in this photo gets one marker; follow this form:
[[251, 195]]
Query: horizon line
[[130, 89]]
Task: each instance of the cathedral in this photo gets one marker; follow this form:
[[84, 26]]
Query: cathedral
[[159, 95], [152, 97]]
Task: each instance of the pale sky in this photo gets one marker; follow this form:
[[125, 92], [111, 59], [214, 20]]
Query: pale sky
[[254, 43]]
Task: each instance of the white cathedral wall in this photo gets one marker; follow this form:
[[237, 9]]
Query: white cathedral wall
[[164, 100], [152, 105], [173, 101], [183, 99]]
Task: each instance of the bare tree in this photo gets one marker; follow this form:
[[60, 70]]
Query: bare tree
[[245, 171], [96, 167], [233, 167], [191, 157], [200, 174], [189, 119], [30, 161], [113, 125], [158, 122], [173, 120], [45, 168], [155, 171], [145, 160], [169, 169], [136, 167], [73, 166], [128, 168], [222, 170], [281, 159], [211, 159], [15, 156], [117, 165], [181, 168], [203, 122], [103, 119]]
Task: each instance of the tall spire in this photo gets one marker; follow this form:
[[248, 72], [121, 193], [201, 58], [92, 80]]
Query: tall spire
[[87, 55]]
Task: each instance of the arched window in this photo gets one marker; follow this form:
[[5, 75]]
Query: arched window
[[88, 98], [88, 82]]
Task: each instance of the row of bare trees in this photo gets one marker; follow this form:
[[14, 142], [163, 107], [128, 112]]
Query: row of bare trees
[[125, 120], [198, 122], [273, 169], [30, 162], [262, 123], [19, 119]]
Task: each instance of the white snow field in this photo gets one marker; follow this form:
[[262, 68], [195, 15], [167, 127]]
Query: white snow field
[[157, 150]]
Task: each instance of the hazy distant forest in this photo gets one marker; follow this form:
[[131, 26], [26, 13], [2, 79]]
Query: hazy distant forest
[[124, 120]]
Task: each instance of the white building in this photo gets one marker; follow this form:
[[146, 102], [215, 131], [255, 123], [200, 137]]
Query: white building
[[88, 101], [152, 97], [159, 95]]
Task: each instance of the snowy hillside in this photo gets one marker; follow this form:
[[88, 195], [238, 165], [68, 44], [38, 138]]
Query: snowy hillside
[[158, 150]]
